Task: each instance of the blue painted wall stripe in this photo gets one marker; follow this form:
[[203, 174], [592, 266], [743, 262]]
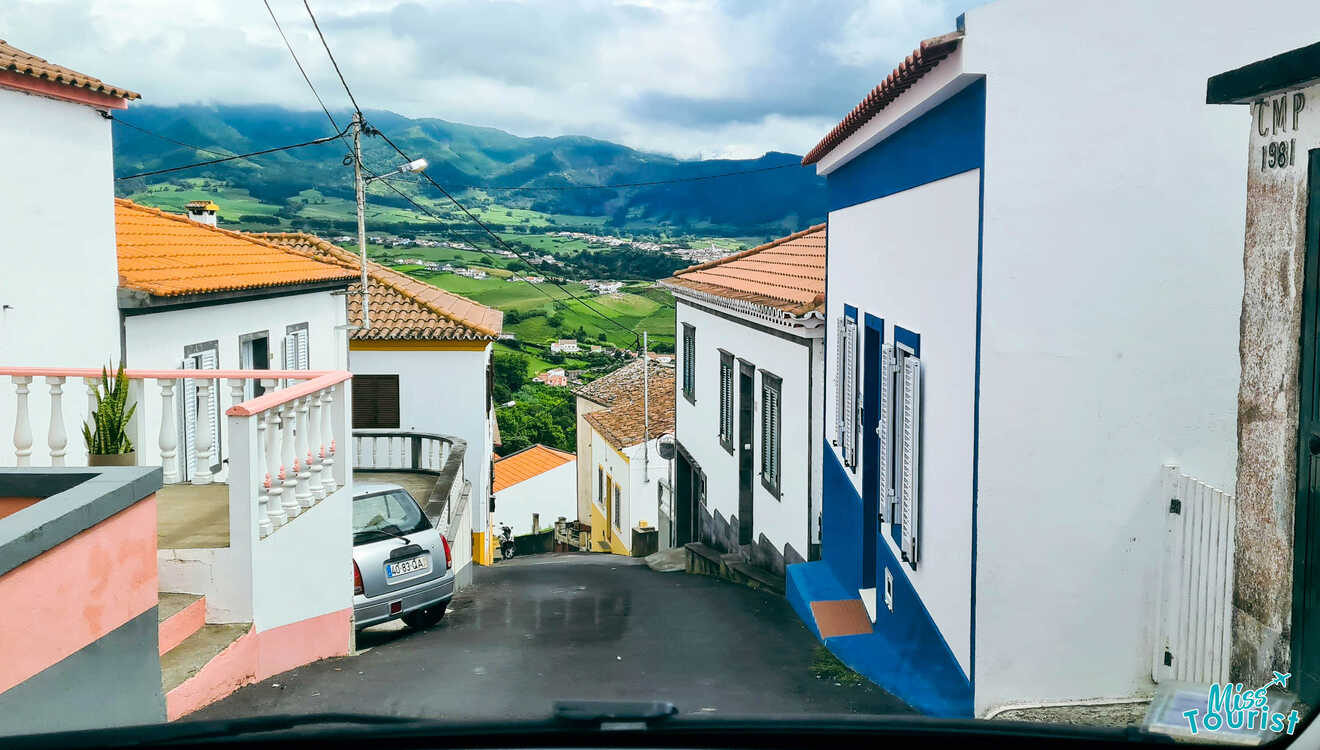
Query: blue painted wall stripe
[[945, 141]]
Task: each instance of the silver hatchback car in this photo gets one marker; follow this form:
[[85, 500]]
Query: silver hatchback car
[[401, 563]]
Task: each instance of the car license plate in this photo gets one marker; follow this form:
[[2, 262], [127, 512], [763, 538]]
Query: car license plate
[[404, 567]]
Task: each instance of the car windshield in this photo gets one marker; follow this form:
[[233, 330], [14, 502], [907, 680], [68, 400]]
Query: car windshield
[[953, 363], [385, 514]]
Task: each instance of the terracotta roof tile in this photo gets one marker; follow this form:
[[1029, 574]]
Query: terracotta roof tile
[[787, 274], [623, 424], [927, 55], [402, 307], [168, 255], [27, 64], [609, 388], [528, 463]]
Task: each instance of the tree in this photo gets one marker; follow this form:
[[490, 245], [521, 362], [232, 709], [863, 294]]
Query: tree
[[512, 316], [601, 337], [554, 358], [510, 371]]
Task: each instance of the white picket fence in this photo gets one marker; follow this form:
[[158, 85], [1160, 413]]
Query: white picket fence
[[1194, 608]]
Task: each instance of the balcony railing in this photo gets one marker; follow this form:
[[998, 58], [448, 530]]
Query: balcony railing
[[298, 426]]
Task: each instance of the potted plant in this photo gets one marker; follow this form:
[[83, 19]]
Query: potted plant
[[107, 436]]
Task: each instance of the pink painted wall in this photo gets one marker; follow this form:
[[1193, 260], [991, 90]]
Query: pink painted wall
[[11, 505], [256, 656], [77, 592], [182, 624]]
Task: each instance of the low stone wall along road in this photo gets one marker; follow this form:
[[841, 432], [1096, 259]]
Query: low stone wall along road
[[574, 626]]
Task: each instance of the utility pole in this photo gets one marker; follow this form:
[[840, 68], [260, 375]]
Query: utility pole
[[361, 191]]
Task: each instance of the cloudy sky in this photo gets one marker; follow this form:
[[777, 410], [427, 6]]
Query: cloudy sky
[[686, 77]]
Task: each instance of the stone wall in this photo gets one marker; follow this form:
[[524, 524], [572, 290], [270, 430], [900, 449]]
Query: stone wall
[[1273, 264]]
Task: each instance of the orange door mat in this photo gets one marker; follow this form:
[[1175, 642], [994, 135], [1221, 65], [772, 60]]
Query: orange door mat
[[843, 617]]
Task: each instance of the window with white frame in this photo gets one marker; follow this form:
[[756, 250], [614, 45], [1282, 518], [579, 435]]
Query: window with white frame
[[297, 354], [689, 362], [600, 486], [899, 430], [726, 401], [847, 402], [771, 427]]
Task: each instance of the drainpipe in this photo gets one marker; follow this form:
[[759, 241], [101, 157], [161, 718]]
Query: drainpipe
[[646, 410]]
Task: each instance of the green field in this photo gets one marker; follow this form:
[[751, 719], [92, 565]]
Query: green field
[[642, 308]]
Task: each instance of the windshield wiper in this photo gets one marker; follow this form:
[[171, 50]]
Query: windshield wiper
[[397, 534]]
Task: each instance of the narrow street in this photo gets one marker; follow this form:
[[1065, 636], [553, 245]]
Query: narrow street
[[569, 626]]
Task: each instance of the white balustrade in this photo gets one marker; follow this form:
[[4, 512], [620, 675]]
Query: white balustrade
[[288, 461], [328, 482], [202, 442], [296, 439], [22, 423], [56, 438], [264, 524], [169, 435], [304, 492], [315, 451], [273, 486]]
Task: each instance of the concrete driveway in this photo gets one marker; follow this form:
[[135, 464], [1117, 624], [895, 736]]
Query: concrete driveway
[[574, 626]]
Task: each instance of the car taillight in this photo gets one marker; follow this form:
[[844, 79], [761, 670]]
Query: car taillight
[[357, 579], [449, 562]]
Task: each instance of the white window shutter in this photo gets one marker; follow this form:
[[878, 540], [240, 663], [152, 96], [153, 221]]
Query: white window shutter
[[850, 393], [210, 361], [189, 426], [840, 344], [885, 431], [911, 458], [303, 359]]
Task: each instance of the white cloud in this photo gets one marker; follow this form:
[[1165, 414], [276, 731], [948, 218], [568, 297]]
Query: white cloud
[[688, 77]]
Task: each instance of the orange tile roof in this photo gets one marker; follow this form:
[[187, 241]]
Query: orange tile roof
[[23, 63], [402, 307], [787, 274], [169, 255], [528, 463], [927, 55], [623, 425]]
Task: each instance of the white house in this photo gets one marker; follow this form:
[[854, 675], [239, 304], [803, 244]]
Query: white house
[[565, 346], [1029, 315], [618, 439], [58, 143], [537, 482], [193, 296], [422, 366], [750, 403]]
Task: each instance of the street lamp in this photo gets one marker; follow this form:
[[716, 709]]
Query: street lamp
[[360, 186]]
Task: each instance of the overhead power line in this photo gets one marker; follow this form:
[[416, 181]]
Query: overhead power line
[[183, 167], [166, 138], [331, 55], [297, 62], [499, 239]]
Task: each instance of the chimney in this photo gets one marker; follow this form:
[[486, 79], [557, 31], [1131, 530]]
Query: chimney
[[202, 212]]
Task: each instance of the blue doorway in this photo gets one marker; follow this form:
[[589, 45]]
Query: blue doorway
[[873, 343]]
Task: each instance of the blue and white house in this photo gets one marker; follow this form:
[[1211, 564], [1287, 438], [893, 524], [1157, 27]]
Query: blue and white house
[[1033, 284]]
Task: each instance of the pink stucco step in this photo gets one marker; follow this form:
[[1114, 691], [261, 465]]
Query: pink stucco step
[[180, 615]]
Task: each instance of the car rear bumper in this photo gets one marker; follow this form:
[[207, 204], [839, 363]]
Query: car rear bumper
[[375, 610]]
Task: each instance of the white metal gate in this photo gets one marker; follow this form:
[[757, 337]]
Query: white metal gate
[[1194, 607]]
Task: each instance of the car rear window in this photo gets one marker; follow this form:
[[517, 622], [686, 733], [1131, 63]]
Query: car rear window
[[380, 515]]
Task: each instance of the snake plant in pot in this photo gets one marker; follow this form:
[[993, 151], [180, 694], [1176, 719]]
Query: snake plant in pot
[[107, 435]]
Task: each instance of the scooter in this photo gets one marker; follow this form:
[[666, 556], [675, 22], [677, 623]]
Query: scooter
[[506, 542]]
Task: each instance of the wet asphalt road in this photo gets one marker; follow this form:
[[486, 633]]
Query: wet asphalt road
[[571, 626]]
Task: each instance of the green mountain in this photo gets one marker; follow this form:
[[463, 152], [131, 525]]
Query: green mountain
[[312, 187]]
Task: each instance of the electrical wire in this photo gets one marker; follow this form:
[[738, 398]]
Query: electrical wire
[[166, 138], [499, 239], [297, 62], [331, 55], [182, 167], [537, 287]]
